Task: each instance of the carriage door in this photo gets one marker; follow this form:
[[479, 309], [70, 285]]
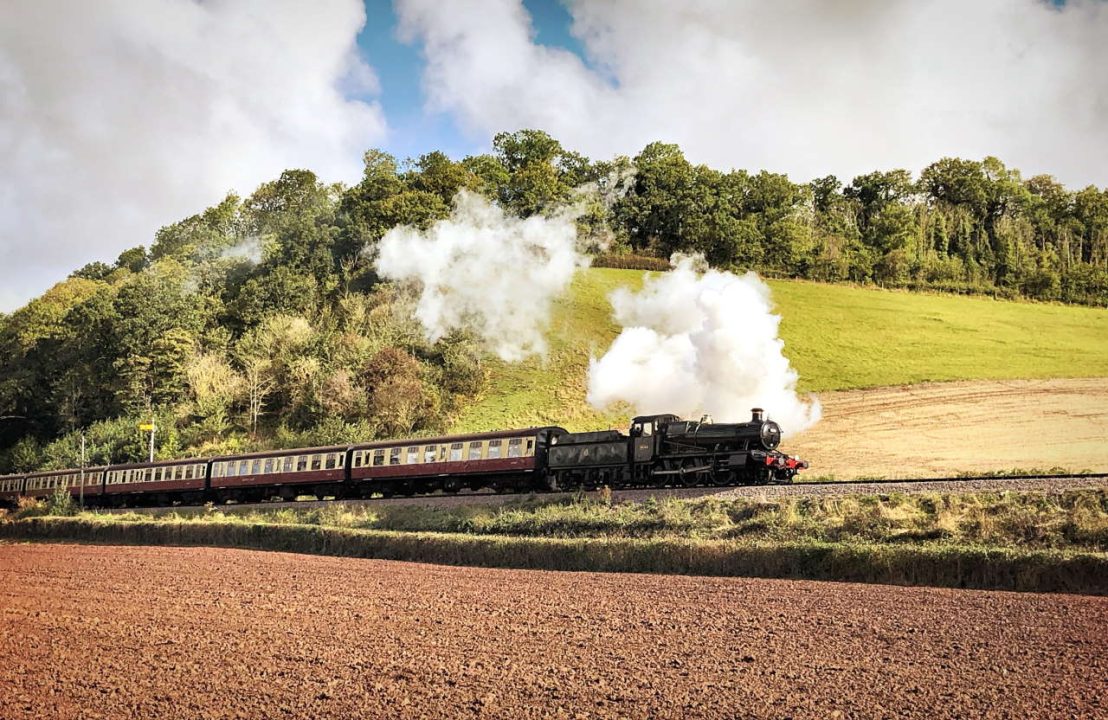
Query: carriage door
[[643, 439]]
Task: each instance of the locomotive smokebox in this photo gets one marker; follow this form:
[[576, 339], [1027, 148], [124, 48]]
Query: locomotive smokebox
[[757, 415]]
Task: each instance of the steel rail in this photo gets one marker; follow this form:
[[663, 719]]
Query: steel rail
[[487, 497]]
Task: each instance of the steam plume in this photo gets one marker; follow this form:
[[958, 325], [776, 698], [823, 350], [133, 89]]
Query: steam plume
[[486, 271], [695, 343]]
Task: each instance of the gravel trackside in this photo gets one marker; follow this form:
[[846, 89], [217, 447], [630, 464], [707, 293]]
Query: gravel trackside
[[137, 632]]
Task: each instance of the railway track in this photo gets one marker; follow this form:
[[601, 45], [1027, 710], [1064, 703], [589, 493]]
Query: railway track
[[1043, 482]]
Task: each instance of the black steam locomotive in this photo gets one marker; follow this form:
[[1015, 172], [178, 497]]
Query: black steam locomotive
[[666, 450], [659, 451]]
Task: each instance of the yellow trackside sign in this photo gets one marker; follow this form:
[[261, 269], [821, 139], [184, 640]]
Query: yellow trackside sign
[[146, 427]]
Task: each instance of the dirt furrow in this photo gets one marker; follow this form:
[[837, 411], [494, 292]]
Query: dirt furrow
[[193, 632]]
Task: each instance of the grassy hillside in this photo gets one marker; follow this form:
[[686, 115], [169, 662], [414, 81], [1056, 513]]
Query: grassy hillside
[[837, 337]]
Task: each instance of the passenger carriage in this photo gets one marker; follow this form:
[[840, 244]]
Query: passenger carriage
[[284, 473], [502, 460], [160, 482], [42, 485], [11, 486]]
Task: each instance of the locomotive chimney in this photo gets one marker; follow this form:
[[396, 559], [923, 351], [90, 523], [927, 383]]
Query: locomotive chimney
[[756, 415]]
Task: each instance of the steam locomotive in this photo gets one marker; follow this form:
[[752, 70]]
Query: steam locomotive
[[658, 451]]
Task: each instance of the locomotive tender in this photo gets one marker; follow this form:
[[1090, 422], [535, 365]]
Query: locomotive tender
[[659, 451]]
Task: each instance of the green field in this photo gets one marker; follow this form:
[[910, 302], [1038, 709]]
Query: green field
[[837, 337]]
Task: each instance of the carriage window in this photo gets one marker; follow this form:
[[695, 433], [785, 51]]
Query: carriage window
[[157, 474], [394, 456], [412, 456], [244, 467], [330, 461], [429, 454], [515, 447], [286, 466], [342, 460], [356, 458], [475, 450], [530, 447], [255, 467], [317, 462], [301, 463], [148, 475], [456, 452], [379, 458], [267, 466], [494, 449]]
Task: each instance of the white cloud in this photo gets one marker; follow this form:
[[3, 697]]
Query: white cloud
[[118, 117], [807, 87]]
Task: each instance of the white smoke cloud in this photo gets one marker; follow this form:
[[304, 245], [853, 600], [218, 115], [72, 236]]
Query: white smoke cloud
[[486, 271], [807, 87], [118, 117], [695, 343]]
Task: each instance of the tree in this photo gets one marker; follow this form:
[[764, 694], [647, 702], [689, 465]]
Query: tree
[[202, 236], [399, 401], [213, 387], [134, 259]]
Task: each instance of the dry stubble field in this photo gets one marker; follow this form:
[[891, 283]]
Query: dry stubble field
[[941, 429], [192, 632]]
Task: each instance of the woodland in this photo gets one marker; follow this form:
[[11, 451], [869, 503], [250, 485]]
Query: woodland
[[261, 322]]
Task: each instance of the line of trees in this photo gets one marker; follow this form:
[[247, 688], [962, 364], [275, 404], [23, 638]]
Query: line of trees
[[260, 321]]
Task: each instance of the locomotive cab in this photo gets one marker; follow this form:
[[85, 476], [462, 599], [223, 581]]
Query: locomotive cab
[[646, 431]]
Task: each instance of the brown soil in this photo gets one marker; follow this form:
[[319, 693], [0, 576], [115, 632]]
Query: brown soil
[[126, 632], [945, 428]]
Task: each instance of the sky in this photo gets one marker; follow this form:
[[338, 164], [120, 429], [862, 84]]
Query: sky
[[117, 118]]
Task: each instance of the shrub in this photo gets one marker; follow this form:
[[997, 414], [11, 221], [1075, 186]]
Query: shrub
[[61, 504], [631, 262]]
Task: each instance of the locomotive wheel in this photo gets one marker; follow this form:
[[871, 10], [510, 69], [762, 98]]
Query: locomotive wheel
[[690, 479]]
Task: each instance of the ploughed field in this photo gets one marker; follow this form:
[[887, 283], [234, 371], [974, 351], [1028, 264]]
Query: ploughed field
[[90, 631]]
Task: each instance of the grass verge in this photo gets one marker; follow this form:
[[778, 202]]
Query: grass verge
[[1069, 520], [959, 566]]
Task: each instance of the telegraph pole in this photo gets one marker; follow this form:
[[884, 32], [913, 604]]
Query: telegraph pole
[[82, 471]]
